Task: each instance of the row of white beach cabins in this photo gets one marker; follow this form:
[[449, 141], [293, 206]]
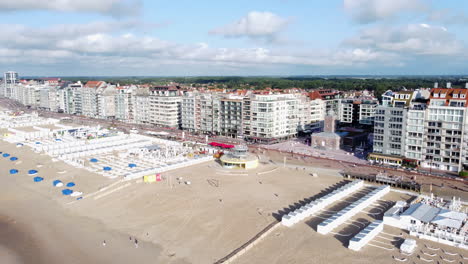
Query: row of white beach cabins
[[326, 226]]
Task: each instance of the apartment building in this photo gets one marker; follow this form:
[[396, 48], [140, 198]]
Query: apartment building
[[424, 127], [141, 104], [273, 117], [124, 103], [396, 122], [89, 98], [190, 111], [105, 98], [10, 81], [165, 106], [230, 116], [317, 114], [445, 128], [71, 98]]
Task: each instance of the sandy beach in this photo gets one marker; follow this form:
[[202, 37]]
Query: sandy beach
[[173, 222], [36, 228]]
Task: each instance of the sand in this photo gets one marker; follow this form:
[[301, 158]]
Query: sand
[[173, 222], [36, 228]]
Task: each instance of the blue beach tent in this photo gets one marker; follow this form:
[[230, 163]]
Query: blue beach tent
[[56, 182], [38, 179], [32, 172], [93, 160], [6, 155], [13, 158], [70, 184], [13, 171], [132, 165], [67, 192], [107, 168]]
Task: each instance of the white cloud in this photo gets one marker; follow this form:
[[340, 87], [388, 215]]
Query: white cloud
[[368, 11], [103, 46], [106, 7], [264, 25], [414, 39]]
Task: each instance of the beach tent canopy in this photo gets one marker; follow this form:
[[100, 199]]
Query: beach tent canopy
[[70, 184], [57, 183], [58, 139], [13, 158], [32, 172], [221, 145], [13, 171], [18, 144], [67, 192], [93, 160], [38, 179], [6, 155], [132, 165], [38, 142], [107, 168]]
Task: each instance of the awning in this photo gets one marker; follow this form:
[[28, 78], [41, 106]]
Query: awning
[[387, 157], [221, 145]]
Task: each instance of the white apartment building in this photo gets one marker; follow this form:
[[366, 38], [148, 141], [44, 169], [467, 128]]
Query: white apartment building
[[71, 99], [190, 111], [273, 117], [124, 104], [445, 127], [141, 106], [10, 81], [165, 107], [105, 97], [89, 98], [317, 114], [426, 128]]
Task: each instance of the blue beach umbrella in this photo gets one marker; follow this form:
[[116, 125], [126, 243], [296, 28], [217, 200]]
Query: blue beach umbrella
[[93, 160], [38, 179], [107, 168], [32, 172], [13, 158], [132, 165], [70, 184], [13, 171], [67, 192]]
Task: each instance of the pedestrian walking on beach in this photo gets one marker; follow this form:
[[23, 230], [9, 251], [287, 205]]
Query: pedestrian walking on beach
[[104, 243], [136, 243]]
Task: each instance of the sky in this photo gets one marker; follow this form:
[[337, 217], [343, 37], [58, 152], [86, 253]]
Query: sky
[[242, 37]]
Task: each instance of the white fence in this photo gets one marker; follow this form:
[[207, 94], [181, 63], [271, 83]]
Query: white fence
[[164, 168]]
